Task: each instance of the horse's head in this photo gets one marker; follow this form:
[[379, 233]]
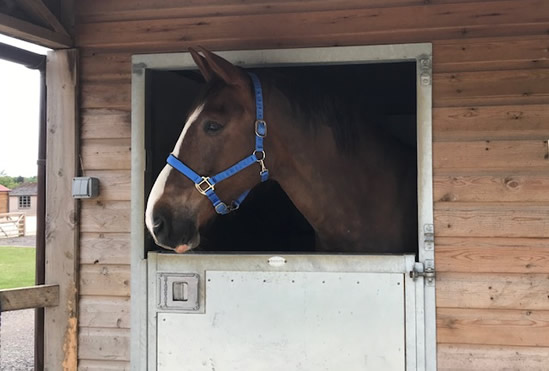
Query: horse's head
[[218, 133]]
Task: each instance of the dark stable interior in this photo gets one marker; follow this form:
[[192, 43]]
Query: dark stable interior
[[268, 221]]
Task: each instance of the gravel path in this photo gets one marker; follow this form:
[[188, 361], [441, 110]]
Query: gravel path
[[17, 340], [17, 327]]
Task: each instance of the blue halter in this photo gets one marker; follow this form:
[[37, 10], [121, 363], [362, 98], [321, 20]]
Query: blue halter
[[206, 185]]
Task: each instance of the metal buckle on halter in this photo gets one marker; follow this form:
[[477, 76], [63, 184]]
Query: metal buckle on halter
[[209, 186], [263, 125]]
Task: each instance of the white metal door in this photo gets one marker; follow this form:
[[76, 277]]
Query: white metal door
[[289, 313]]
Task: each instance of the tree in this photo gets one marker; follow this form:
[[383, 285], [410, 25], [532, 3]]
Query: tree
[[8, 181], [14, 181]]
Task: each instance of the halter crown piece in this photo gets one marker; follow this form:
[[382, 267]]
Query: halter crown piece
[[206, 185]]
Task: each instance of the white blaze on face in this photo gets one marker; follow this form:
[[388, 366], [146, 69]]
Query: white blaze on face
[[160, 183]]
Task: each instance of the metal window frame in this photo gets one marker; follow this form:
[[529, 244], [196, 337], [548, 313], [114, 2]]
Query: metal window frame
[[420, 53]]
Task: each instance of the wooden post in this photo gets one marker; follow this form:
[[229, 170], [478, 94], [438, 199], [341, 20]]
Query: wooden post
[[62, 257]]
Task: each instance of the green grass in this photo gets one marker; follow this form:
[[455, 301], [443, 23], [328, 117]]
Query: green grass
[[17, 266]]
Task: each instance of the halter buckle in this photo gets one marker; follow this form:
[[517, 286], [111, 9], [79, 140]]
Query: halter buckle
[[260, 128], [209, 186]]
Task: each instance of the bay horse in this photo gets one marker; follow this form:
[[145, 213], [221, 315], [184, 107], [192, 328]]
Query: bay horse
[[354, 182]]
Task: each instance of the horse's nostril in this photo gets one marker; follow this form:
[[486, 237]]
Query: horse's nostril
[[158, 225]]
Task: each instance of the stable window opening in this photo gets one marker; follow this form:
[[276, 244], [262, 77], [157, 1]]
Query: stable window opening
[[383, 94]]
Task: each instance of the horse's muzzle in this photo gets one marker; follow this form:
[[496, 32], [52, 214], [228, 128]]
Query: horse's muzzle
[[171, 230]]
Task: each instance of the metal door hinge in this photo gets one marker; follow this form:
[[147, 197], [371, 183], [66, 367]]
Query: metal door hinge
[[429, 237], [426, 271]]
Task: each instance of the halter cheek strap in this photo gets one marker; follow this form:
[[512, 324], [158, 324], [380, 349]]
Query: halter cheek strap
[[206, 185]]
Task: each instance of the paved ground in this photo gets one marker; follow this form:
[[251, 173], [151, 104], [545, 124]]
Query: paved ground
[[17, 328]]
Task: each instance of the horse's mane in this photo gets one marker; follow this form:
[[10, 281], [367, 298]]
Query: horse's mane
[[321, 97]]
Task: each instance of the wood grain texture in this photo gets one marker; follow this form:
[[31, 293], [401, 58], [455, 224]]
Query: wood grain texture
[[105, 280], [489, 155], [492, 255], [105, 217], [463, 357], [491, 54], [105, 248], [106, 154], [493, 327], [104, 10], [106, 67], [500, 87], [416, 23], [510, 187], [29, 297], [508, 122], [94, 365], [105, 312], [104, 344], [493, 291], [106, 95], [30, 32], [105, 124], [114, 185], [453, 219], [60, 323]]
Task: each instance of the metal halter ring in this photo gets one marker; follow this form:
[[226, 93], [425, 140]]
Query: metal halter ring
[[264, 125], [263, 155], [209, 186]]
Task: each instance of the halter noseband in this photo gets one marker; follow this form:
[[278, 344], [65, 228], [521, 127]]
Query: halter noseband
[[206, 185]]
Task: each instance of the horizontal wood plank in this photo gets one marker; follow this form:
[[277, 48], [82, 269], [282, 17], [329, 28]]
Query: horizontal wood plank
[[104, 344], [488, 155], [29, 297], [491, 54], [17, 28], [105, 280], [98, 67], [106, 95], [93, 365], [453, 219], [105, 248], [493, 327], [104, 312], [105, 124], [491, 123], [501, 87], [416, 23], [105, 217], [106, 154], [463, 357], [114, 185], [510, 187], [492, 255], [493, 291], [127, 10]]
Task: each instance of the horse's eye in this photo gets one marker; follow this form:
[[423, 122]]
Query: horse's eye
[[212, 127]]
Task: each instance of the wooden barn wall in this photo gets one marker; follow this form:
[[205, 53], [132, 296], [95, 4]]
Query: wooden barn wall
[[491, 157]]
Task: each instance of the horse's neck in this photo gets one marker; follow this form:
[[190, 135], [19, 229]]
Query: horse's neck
[[336, 192]]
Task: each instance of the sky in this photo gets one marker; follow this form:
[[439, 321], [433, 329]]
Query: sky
[[19, 110]]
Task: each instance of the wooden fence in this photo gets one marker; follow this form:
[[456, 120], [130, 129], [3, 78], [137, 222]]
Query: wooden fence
[[12, 225]]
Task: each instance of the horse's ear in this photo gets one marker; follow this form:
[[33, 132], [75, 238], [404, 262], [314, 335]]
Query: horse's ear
[[228, 72], [202, 64]]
